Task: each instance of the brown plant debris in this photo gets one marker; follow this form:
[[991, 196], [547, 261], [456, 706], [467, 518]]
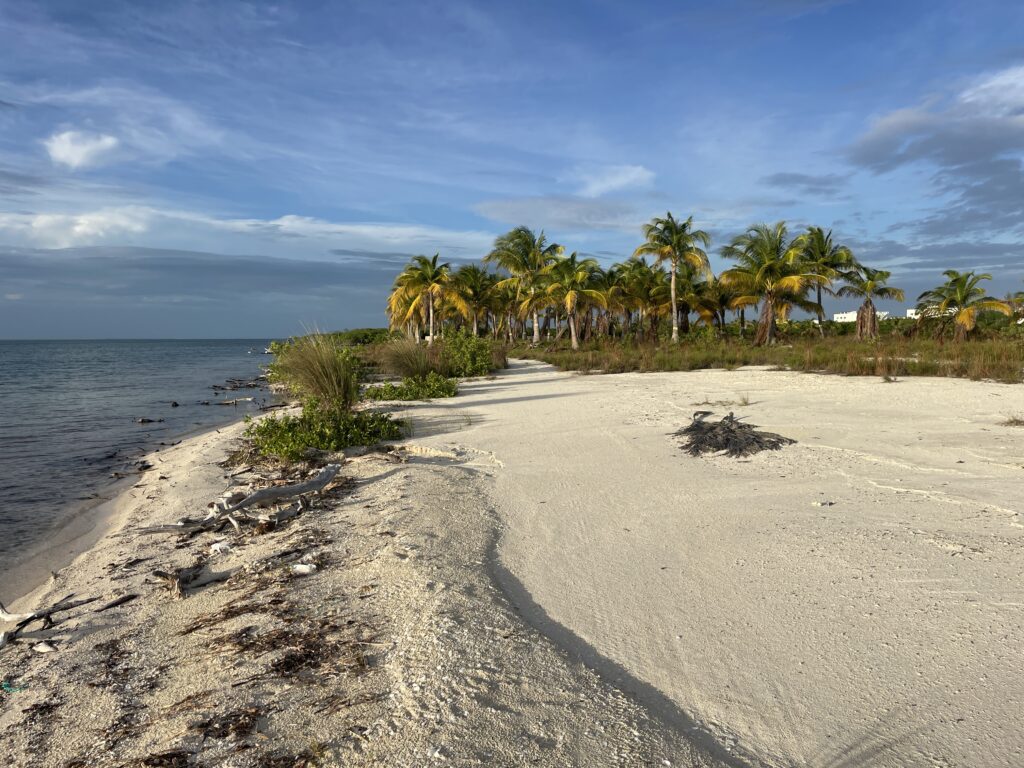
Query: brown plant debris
[[729, 436], [236, 724], [177, 758]]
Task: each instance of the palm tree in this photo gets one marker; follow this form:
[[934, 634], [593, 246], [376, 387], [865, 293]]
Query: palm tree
[[769, 270], [677, 242], [824, 258], [868, 284], [421, 282], [473, 284], [609, 283], [960, 300], [646, 291], [571, 281], [526, 257], [712, 299]]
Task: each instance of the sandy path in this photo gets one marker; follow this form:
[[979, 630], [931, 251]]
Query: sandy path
[[852, 600]]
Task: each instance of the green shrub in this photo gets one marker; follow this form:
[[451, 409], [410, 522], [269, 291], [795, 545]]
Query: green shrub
[[317, 366], [434, 385], [290, 438], [464, 354]]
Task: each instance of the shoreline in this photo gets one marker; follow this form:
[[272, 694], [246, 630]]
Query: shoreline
[[82, 525]]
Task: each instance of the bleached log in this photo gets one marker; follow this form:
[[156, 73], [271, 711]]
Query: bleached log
[[278, 493], [191, 578], [44, 615], [7, 616]]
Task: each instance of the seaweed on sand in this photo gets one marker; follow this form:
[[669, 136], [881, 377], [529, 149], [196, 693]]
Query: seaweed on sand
[[729, 436]]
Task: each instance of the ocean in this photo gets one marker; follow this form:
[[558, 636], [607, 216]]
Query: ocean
[[70, 416]]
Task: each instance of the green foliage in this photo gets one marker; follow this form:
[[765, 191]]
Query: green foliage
[[1000, 359], [463, 354], [290, 438], [433, 385], [317, 366], [360, 337]]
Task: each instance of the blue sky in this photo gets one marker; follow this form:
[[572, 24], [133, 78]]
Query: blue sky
[[226, 169]]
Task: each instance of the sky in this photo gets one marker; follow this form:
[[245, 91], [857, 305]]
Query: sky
[[246, 169]]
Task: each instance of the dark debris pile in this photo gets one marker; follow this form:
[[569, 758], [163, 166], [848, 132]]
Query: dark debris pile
[[729, 436]]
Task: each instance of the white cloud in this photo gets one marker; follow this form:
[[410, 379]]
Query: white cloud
[[60, 230], [13, 296], [145, 124], [997, 95], [79, 150], [176, 228], [414, 237], [601, 181]]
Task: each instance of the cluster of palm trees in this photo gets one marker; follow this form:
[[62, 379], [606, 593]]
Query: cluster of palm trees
[[537, 287]]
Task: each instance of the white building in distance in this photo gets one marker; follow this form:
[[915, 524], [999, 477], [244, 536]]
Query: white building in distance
[[851, 317]]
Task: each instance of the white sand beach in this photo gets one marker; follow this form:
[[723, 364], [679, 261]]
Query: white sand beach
[[539, 575], [854, 599]]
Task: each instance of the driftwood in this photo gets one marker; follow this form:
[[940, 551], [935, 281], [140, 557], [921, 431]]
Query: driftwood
[[191, 578], [730, 437], [233, 510], [43, 615], [278, 493]]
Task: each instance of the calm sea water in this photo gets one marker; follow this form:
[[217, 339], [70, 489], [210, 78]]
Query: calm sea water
[[69, 413]]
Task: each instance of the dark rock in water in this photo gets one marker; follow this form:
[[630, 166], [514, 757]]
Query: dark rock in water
[[729, 436], [148, 421], [174, 403]]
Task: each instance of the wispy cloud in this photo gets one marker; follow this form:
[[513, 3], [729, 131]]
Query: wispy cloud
[[973, 142], [825, 185], [595, 182], [567, 213]]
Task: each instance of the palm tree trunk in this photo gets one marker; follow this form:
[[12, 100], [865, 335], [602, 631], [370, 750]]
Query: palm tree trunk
[[675, 309], [536, 327], [475, 327], [821, 315], [766, 326], [867, 321], [430, 315], [572, 332]]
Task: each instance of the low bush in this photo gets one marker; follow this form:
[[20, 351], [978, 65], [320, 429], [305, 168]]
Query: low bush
[[464, 354], [317, 366], [290, 438], [433, 385]]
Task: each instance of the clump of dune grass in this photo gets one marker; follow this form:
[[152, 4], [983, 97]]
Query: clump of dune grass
[[317, 366], [1013, 420], [408, 359]]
